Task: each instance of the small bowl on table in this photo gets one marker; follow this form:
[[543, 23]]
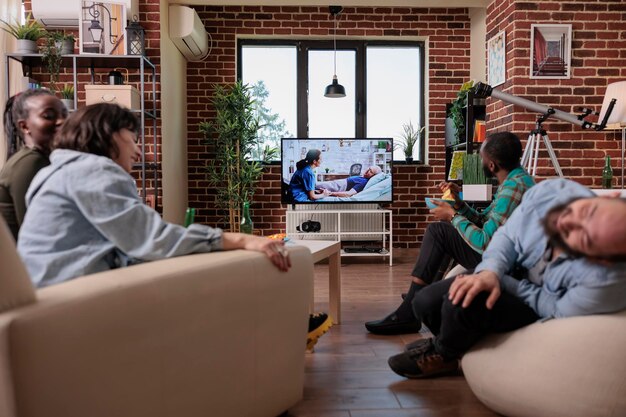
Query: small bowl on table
[[431, 205]]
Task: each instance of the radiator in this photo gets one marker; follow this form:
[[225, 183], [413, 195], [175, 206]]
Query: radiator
[[357, 222]]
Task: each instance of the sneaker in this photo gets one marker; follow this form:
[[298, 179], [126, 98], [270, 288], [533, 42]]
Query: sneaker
[[318, 325], [423, 362]]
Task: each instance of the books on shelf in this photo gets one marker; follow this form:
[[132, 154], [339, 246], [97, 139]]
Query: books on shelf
[[28, 83], [480, 131]]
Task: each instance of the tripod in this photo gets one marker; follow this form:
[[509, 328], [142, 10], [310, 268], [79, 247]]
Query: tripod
[[531, 152]]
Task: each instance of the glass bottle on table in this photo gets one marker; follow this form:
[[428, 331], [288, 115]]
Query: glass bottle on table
[[246, 221], [607, 173]]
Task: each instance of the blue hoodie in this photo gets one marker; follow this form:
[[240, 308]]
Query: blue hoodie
[[84, 216]]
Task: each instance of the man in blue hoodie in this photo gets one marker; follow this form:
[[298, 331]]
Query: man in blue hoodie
[[571, 246]]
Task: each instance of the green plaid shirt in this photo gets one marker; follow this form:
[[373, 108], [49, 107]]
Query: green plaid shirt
[[477, 228]]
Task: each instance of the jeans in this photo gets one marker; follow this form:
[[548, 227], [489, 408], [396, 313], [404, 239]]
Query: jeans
[[456, 329]]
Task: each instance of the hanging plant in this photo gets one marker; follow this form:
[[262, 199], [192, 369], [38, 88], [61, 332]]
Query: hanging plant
[[52, 59], [457, 111]]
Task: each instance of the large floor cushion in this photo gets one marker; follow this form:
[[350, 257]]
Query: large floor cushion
[[567, 367]]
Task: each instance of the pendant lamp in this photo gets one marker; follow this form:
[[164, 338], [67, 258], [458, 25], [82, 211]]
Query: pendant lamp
[[335, 89]]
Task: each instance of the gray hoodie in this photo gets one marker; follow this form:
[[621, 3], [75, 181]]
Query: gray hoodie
[[84, 216]]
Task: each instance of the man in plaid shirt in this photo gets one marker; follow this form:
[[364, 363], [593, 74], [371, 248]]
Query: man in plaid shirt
[[462, 233]]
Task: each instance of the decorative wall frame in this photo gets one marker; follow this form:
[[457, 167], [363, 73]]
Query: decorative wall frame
[[102, 27], [496, 59], [550, 51]]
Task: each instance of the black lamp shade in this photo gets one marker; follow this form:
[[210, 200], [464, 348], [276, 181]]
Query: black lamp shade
[[335, 89]]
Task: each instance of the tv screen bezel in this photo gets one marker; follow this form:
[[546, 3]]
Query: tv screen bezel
[[323, 203]]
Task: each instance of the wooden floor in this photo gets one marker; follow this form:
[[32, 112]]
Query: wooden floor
[[348, 375]]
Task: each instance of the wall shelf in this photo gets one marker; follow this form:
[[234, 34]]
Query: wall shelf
[[146, 113]]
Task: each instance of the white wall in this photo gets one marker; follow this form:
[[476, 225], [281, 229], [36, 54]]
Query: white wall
[[173, 125]]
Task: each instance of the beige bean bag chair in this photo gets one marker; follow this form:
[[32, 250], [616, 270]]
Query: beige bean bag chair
[[567, 367]]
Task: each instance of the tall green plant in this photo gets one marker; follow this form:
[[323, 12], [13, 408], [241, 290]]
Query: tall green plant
[[457, 111], [234, 134], [473, 172]]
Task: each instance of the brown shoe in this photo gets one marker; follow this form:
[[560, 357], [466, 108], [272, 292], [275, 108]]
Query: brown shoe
[[423, 362]]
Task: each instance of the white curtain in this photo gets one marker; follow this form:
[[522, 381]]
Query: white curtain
[[9, 11]]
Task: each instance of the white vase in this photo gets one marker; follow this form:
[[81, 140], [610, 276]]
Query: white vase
[[477, 192], [69, 103], [25, 46]]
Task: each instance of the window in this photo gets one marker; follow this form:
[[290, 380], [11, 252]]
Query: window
[[384, 83]]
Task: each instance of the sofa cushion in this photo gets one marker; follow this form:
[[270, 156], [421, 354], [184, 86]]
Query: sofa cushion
[[15, 286]]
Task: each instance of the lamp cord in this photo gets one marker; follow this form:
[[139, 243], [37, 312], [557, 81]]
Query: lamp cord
[[335, 45]]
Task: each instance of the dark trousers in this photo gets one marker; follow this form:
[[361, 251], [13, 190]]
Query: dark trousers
[[441, 242], [456, 328]]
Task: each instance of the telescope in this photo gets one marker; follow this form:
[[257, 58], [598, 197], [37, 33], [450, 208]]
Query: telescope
[[482, 90], [537, 135]]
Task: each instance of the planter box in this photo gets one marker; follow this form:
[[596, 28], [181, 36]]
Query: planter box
[[477, 192], [124, 95]]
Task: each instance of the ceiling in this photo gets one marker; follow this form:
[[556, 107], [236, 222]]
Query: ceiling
[[366, 3]]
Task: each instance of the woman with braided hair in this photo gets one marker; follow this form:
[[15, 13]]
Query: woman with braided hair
[[31, 120]]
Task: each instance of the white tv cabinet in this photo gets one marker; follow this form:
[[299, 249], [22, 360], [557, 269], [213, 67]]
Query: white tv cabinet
[[346, 224]]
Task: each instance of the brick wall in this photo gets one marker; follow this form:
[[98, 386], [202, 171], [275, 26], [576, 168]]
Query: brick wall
[[598, 58], [448, 35]]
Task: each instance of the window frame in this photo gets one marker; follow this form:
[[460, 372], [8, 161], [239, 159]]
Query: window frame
[[303, 46]]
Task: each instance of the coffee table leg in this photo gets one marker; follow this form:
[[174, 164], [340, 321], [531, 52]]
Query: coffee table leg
[[334, 274]]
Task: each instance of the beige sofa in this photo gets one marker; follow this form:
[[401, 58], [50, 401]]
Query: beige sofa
[[219, 334]]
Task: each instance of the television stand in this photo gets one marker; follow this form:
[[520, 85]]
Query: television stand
[[347, 224]]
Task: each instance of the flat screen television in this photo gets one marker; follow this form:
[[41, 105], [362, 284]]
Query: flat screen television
[[347, 170]]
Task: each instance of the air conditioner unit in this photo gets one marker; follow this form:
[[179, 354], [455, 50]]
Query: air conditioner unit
[[188, 33], [65, 13]]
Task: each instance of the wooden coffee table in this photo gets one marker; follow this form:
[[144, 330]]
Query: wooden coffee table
[[327, 249]]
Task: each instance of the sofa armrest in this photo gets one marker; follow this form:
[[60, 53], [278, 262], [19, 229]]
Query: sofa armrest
[[208, 334]]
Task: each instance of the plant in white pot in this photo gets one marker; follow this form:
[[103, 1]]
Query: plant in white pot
[[67, 96], [27, 34], [64, 42], [409, 138], [476, 185]]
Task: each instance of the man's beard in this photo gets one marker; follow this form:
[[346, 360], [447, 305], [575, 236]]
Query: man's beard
[[554, 236], [488, 172]]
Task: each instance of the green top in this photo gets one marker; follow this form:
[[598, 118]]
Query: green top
[[477, 228], [15, 178]]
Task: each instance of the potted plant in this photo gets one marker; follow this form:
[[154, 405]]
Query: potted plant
[[476, 185], [64, 42], [457, 111], [234, 134], [409, 138], [67, 96], [27, 34], [52, 59]]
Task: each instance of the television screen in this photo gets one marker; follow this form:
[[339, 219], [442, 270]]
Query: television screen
[[336, 170]]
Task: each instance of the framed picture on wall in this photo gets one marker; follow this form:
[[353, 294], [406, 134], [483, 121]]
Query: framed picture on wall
[[496, 59], [550, 51], [102, 27]]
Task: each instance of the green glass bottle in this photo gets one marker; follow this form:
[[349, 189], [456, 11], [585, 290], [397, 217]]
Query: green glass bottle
[[246, 222], [607, 173]]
